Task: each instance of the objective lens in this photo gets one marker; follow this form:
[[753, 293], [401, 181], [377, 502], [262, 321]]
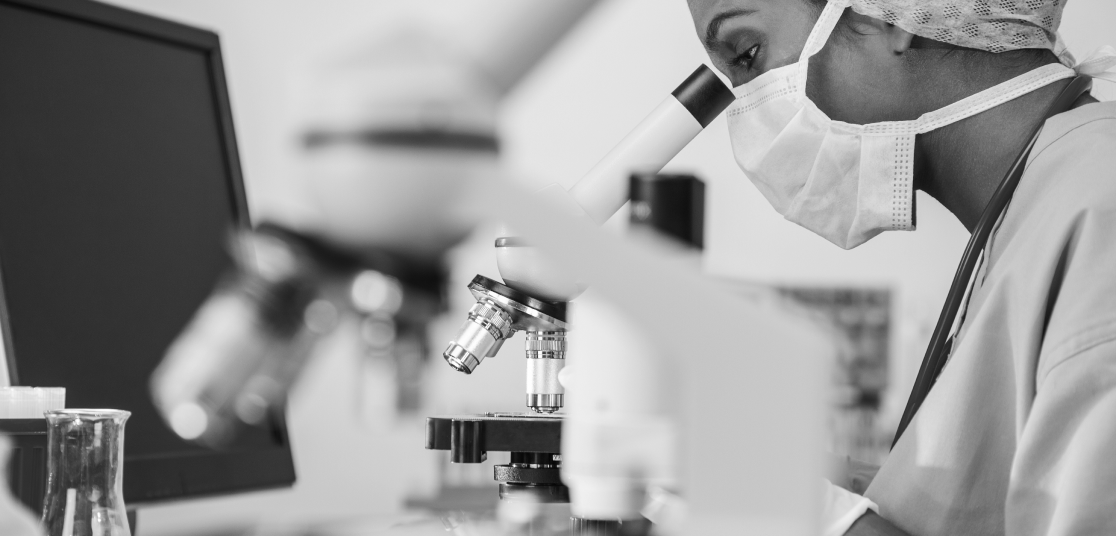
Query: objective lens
[[460, 359], [546, 357], [486, 329]]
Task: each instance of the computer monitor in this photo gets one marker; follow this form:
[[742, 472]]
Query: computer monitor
[[119, 181]]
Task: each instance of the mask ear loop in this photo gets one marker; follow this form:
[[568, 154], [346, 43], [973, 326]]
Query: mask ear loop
[[819, 36]]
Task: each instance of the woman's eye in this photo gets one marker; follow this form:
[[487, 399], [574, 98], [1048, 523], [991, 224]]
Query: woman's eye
[[746, 59]]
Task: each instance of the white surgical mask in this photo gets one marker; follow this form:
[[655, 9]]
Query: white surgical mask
[[845, 182]]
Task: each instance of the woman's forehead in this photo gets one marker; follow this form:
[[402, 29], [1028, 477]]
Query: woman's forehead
[[761, 12], [712, 18], [710, 8]]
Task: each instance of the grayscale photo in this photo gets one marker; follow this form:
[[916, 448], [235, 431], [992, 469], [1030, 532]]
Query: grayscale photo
[[557, 267]]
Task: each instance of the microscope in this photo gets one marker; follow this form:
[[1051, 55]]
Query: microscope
[[533, 298], [393, 139], [235, 363], [534, 293]]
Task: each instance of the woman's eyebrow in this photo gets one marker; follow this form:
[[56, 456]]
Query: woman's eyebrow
[[714, 26]]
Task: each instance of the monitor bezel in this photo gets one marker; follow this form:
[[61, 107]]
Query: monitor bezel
[[152, 479]]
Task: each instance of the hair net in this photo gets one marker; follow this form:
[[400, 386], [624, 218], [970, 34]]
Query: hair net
[[992, 25]]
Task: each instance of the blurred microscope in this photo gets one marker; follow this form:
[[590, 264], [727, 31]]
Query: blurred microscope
[[238, 359], [396, 139], [398, 154], [235, 363], [402, 151]]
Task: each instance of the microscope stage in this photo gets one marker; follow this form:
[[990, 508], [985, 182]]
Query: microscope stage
[[470, 437]]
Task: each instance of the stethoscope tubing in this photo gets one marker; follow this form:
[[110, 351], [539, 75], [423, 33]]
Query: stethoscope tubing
[[936, 353]]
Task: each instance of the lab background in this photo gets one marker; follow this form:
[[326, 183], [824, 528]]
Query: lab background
[[357, 430]]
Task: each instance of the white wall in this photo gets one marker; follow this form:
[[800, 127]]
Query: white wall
[[612, 70]]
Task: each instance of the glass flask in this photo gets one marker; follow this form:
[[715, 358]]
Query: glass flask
[[85, 465]]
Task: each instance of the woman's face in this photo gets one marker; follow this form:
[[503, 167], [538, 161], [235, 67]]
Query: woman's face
[[857, 78]]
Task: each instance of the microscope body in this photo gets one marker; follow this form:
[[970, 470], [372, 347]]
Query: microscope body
[[533, 298], [534, 287]]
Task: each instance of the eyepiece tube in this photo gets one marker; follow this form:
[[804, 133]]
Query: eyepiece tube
[[668, 129], [704, 95]]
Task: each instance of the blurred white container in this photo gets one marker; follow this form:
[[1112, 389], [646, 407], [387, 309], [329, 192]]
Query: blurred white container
[[30, 402]]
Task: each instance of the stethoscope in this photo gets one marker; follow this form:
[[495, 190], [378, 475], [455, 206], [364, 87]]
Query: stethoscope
[[941, 343]]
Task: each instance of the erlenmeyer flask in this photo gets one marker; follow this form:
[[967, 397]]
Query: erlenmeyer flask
[[85, 464]]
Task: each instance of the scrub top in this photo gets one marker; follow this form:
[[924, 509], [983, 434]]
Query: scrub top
[[1018, 435]]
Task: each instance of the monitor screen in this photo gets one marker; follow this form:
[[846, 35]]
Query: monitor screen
[[118, 185]]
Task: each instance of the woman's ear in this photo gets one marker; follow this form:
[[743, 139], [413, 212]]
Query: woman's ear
[[888, 37]]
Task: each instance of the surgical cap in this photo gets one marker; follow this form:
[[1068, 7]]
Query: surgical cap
[[992, 25]]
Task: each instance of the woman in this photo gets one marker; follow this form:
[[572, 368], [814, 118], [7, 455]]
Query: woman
[[843, 109]]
